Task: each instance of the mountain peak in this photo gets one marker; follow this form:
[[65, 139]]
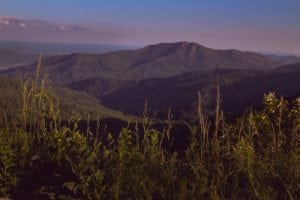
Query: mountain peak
[[181, 44], [153, 61]]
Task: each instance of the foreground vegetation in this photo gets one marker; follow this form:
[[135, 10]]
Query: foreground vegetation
[[256, 157]]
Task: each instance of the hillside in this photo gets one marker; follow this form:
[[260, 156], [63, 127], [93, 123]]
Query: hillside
[[100, 86], [242, 94], [155, 61], [240, 89], [178, 92], [70, 101]]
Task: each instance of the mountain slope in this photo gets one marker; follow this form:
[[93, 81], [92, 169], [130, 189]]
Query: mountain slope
[[155, 61], [70, 101], [249, 92], [240, 89], [98, 87], [179, 92]]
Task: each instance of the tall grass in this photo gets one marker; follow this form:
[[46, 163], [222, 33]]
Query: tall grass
[[256, 157]]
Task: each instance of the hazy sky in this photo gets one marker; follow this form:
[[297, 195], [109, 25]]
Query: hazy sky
[[269, 25]]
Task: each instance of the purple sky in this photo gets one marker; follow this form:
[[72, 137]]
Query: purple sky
[[266, 25]]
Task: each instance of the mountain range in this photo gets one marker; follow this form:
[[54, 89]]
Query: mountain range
[[170, 74], [154, 61]]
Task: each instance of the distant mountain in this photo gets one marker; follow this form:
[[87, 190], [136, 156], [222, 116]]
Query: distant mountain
[[166, 74], [155, 61], [10, 59], [284, 60]]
